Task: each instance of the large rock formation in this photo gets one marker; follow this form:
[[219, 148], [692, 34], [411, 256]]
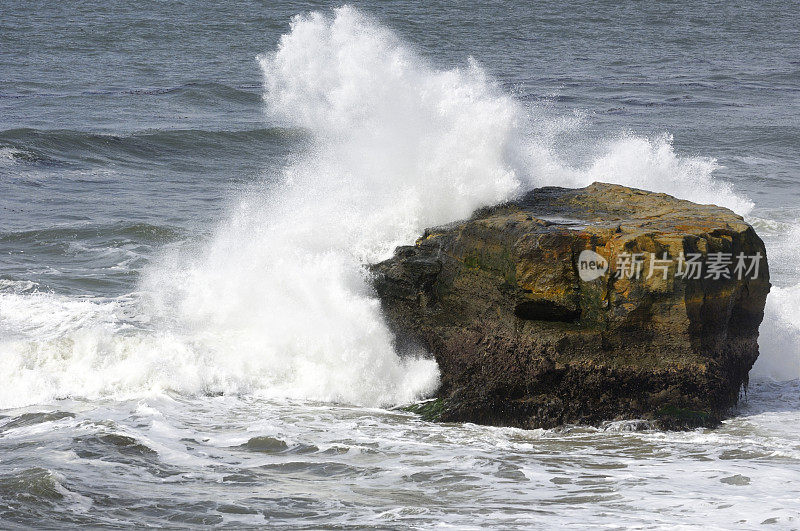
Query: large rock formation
[[523, 340]]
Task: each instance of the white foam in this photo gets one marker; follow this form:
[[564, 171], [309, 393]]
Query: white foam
[[8, 155], [645, 163], [277, 303], [17, 286], [281, 291], [779, 336]]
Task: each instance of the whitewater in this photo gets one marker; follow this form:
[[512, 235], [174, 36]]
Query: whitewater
[[253, 359]]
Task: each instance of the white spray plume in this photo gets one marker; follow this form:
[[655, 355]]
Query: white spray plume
[[277, 304]]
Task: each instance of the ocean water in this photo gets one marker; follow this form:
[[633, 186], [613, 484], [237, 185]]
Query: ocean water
[[189, 192]]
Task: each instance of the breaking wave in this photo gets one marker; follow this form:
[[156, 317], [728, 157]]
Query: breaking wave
[[277, 303]]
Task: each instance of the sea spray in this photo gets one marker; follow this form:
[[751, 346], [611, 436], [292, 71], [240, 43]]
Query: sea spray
[[397, 146], [278, 303], [647, 163], [779, 336]]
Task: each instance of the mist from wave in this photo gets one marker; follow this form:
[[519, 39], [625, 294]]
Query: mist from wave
[[276, 303]]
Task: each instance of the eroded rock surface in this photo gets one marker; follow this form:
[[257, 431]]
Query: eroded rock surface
[[522, 340]]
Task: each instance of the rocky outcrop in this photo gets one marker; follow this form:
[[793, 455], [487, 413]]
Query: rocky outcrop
[[530, 331]]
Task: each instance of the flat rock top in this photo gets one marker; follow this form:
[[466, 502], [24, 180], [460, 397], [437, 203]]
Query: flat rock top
[[608, 206]]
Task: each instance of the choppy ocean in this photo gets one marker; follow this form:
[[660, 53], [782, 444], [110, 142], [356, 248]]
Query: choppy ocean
[[189, 191]]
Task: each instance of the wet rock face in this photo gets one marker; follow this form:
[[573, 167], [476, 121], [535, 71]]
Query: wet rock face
[[580, 306]]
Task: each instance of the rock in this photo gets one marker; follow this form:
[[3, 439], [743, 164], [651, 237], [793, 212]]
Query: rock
[[522, 340]]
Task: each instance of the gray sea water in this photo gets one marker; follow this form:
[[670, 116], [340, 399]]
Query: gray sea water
[[188, 192]]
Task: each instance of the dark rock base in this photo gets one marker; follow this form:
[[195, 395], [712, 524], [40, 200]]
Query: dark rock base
[[522, 341]]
